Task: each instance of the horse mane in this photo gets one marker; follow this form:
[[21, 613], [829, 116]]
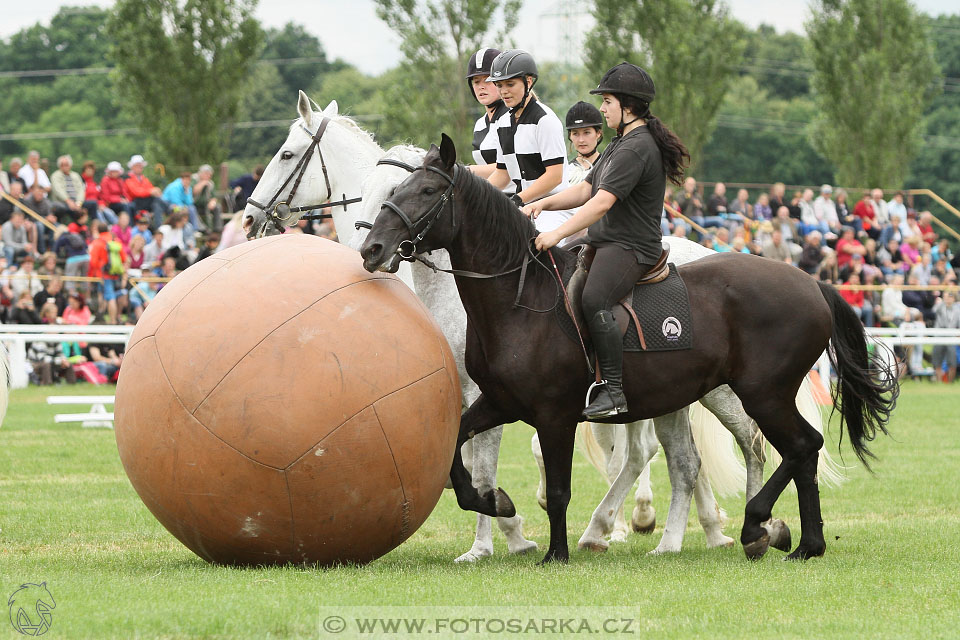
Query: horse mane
[[506, 232]]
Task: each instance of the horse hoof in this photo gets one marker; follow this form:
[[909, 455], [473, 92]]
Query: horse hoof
[[802, 553], [504, 504], [779, 535], [552, 557], [724, 542], [618, 536], [644, 528], [474, 555], [597, 546], [757, 548]]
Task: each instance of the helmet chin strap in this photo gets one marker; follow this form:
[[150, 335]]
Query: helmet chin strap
[[526, 93], [623, 125]]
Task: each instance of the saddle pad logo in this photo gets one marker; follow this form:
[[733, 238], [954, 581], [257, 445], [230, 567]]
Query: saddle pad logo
[[671, 329]]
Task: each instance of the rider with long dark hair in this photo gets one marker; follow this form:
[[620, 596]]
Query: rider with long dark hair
[[621, 200], [485, 141]]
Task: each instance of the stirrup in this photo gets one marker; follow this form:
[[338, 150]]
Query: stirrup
[[613, 411]]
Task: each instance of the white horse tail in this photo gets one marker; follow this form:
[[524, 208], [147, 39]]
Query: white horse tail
[[718, 459], [591, 449], [4, 381], [829, 472]]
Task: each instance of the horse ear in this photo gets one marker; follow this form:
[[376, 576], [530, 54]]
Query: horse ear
[[333, 109], [448, 152], [306, 111]]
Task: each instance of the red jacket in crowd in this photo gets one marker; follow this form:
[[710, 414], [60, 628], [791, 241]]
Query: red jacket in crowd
[[853, 298], [100, 256], [113, 190], [92, 190], [138, 186], [864, 211]]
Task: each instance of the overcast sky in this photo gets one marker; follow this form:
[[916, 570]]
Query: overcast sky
[[351, 30]]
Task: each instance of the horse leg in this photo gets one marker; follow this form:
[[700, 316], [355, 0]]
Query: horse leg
[[726, 406], [812, 543], [796, 441], [612, 439], [710, 514], [683, 464], [604, 516], [538, 456], [480, 417], [558, 459], [644, 517]]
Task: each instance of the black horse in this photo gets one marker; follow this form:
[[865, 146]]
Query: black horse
[[760, 326]]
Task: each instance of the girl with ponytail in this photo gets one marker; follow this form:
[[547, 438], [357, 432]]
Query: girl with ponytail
[[620, 203]]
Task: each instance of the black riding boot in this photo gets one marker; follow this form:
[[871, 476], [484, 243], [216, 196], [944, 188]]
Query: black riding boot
[[609, 400]]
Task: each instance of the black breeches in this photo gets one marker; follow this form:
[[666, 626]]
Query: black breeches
[[614, 272]]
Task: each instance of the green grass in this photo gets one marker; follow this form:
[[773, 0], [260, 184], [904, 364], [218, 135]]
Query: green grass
[[70, 517]]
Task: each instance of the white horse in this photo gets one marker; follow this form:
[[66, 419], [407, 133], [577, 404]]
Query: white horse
[[355, 155]]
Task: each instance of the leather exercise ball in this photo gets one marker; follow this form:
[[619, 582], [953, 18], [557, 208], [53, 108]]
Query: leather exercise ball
[[278, 404]]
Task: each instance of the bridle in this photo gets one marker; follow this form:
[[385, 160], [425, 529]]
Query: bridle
[[281, 214], [407, 249]]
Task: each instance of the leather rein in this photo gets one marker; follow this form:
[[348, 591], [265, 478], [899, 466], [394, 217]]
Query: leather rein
[[279, 212]]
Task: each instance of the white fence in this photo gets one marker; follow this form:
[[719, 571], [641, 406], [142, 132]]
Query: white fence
[[16, 337]]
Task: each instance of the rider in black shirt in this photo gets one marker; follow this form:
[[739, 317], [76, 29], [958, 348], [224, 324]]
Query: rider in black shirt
[[621, 200]]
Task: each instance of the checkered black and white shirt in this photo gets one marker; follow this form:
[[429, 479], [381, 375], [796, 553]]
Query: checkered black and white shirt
[[485, 141], [531, 145]]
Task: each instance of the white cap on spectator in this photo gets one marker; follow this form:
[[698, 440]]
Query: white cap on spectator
[[114, 166], [137, 159], [826, 189]]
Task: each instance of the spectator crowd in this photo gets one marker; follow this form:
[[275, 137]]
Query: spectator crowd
[[107, 243]]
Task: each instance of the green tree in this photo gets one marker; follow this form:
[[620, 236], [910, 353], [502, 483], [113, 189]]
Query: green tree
[[874, 76], [184, 67], [429, 94], [293, 41], [692, 48], [779, 62]]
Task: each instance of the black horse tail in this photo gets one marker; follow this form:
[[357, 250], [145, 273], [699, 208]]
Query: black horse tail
[[866, 390]]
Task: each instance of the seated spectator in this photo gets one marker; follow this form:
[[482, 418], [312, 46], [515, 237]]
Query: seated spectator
[[776, 248], [787, 226], [739, 245], [113, 190], [866, 214], [16, 240], [142, 193], [142, 227], [812, 253], [776, 199], [947, 316], [910, 250], [881, 213], [721, 240], [179, 194], [761, 210], [67, 190], [13, 173], [72, 247], [942, 249], [52, 293], [25, 279], [860, 304], [896, 207], [205, 198], [826, 211], [178, 233], [847, 246], [741, 206], [77, 311], [105, 359], [871, 261], [7, 207], [924, 270], [46, 358], [922, 300], [244, 185], [891, 302], [121, 230], [153, 252], [943, 271], [210, 243], [891, 231], [808, 216], [910, 227], [717, 203], [925, 223], [32, 173], [829, 272], [844, 213], [93, 200], [48, 266], [23, 311], [135, 252], [794, 206], [41, 236]]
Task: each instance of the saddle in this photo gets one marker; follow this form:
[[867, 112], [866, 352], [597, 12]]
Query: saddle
[[624, 311]]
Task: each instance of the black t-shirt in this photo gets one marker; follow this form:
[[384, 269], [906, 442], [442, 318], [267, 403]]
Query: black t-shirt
[[632, 170]]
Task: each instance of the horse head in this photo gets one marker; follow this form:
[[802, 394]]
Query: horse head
[[419, 215], [393, 168], [294, 178]]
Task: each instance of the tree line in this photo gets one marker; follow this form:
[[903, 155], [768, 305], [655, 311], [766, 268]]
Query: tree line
[[868, 95]]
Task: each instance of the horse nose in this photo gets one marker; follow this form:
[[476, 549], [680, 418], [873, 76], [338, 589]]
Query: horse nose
[[247, 222], [371, 254]]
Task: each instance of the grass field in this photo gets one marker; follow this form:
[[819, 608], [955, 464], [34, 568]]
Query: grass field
[[70, 517]]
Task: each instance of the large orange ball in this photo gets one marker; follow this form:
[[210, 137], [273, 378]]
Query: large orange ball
[[277, 403]]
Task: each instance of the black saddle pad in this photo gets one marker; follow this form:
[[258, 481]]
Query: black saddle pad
[[664, 313], [662, 308]]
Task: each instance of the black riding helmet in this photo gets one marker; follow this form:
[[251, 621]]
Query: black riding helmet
[[514, 63], [627, 79], [583, 115], [479, 65]]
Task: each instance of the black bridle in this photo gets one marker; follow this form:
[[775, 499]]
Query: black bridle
[[281, 213], [430, 217]]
